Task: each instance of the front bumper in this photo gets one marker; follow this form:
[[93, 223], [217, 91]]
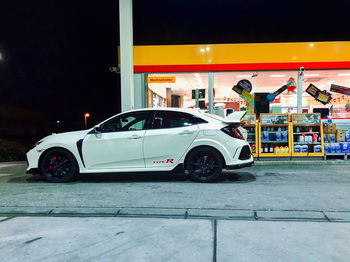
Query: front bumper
[[33, 156], [248, 164]]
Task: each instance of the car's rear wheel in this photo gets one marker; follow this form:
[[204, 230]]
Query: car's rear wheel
[[58, 165], [204, 164]]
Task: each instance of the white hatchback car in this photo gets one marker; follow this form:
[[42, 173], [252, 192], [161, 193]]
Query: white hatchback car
[[158, 139]]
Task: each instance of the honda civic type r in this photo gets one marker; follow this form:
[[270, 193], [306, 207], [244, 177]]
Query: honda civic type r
[[154, 139]]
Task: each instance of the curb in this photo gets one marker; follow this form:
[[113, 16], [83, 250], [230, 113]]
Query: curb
[[182, 213], [301, 163]]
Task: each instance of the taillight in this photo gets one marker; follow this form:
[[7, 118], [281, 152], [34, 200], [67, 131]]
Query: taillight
[[232, 130]]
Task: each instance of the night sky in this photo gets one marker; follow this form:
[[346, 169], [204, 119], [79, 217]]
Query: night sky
[[57, 53]]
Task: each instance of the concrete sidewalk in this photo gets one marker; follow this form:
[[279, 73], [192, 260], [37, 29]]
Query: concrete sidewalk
[[160, 239]]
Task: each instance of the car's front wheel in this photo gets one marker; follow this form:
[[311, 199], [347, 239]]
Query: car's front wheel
[[204, 164], [58, 165]]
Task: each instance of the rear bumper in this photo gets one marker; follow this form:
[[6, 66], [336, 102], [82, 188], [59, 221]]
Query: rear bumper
[[248, 164]]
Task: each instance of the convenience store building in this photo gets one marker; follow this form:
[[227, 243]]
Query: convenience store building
[[168, 75]]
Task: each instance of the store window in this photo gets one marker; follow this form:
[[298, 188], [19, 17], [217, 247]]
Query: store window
[[178, 90], [339, 105], [263, 83], [181, 90]]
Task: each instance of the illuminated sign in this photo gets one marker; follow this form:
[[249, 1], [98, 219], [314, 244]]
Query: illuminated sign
[[161, 79]]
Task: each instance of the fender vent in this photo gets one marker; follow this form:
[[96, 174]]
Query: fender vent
[[245, 153]]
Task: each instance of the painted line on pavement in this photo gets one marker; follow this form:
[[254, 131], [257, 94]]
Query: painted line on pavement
[[215, 225]]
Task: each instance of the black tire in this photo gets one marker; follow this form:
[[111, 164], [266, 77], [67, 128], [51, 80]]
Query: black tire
[[204, 164], [58, 166]]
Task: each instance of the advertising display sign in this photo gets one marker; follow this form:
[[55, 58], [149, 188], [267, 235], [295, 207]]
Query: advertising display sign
[[243, 88], [340, 89], [321, 96], [273, 119], [306, 119]]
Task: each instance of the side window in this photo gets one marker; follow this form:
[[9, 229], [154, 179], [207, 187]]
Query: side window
[[170, 119], [127, 122]]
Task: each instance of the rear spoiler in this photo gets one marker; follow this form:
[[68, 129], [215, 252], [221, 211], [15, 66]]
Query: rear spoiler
[[235, 117]]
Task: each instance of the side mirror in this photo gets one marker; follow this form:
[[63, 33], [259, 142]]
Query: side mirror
[[97, 130]]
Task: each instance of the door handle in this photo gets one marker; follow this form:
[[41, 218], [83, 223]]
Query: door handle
[[186, 132], [134, 137]]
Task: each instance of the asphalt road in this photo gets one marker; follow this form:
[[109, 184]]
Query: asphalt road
[[310, 188], [264, 213]]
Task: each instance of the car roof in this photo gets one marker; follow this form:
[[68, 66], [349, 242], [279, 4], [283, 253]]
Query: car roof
[[195, 111]]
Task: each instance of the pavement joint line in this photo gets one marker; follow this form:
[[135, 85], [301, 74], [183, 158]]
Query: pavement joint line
[[229, 209], [214, 223], [116, 214], [7, 218], [175, 217], [294, 219], [326, 216], [255, 215]]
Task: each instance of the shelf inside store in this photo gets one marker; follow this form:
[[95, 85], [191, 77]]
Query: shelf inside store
[[275, 142], [307, 143], [306, 124], [251, 133], [251, 141], [305, 133], [273, 131], [269, 125]]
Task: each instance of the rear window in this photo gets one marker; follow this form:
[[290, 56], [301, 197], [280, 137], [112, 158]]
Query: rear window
[[171, 119]]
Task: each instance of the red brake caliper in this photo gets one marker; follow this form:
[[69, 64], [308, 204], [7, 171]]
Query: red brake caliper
[[50, 165]]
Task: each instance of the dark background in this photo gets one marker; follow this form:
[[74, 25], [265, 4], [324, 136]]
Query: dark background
[[57, 53]]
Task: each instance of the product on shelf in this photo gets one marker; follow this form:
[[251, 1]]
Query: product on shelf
[[317, 149], [304, 149], [337, 148], [266, 148], [277, 150], [330, 129], [332, 148], [326, 149], [347, 136], [340, 135], [344, 147], [253, 147], [325, 140]]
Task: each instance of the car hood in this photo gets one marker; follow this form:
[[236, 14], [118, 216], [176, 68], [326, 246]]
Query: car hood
[[73, 135]]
